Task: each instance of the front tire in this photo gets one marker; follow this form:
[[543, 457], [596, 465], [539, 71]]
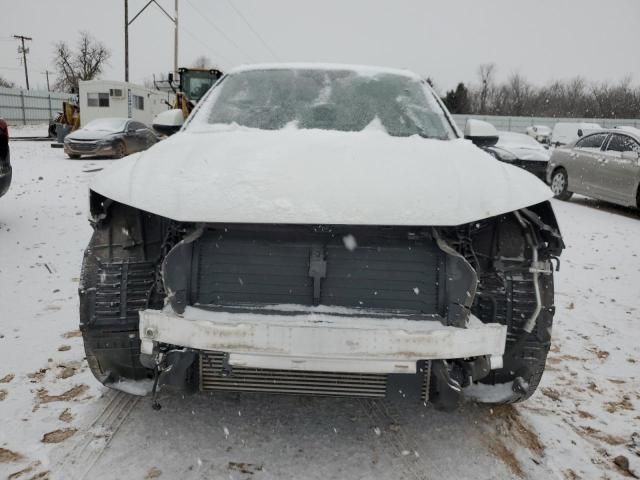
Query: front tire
[[119, 150], [559, 184]]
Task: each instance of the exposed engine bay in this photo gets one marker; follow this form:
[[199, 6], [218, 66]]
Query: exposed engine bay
[[495, 271]]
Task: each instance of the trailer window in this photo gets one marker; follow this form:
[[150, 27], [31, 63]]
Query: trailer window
[[138, 102], [97, 99]]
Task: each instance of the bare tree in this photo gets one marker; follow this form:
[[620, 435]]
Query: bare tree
[[85, 63], [6, 83], [486, 72], [202, 62]]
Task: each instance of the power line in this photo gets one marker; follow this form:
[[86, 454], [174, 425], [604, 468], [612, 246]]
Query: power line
[[207, 47], [258, 36], [229, 39]]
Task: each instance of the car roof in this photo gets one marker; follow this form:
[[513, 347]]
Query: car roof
[[634, 132], [363, 69]]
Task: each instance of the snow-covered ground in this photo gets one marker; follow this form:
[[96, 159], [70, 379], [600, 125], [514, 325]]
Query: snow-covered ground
[[55, 418]]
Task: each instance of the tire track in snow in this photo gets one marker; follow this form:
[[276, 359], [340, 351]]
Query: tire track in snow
[[91, 444]]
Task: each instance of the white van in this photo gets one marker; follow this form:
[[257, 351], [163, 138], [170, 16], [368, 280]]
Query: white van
[[567, 132]]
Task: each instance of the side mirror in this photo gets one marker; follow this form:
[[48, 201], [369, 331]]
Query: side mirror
[[168, 122], [170, 77], [580, 132], [482, 134]]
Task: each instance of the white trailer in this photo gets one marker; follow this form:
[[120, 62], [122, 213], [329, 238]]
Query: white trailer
[[107, 98]]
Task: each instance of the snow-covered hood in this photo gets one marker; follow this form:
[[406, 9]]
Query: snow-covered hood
[[524, 152], [83, 134], [318, 177]]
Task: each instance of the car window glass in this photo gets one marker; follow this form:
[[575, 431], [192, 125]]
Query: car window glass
[[622, 143], [136, 125], [592, 141], [340, 100]]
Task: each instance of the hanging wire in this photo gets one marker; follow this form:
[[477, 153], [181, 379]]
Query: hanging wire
[[258, 36], [207, 47], [220, 31]]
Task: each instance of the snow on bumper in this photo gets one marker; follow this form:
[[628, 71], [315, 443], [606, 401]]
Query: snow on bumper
[[321, 342]]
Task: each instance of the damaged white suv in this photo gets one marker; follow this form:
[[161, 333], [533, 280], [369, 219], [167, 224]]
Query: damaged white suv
[[325, 230]]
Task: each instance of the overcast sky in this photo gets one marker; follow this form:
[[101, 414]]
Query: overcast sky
[[446, 40]]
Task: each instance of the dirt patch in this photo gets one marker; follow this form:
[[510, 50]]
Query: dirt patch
[[66, 372], [511, 428], [601, 354], [153, 473], [247, 468], [604, 437], [7, 378], [66, 416], [7, 456], [624, 404], [64, 348], [570, 475], [58, 436], [38, 375], [42, 395], [500, 450], [519, 430], [26, 470], [72, 334], [552, 393], [583, 414], [572, 358], [73, 392], [593, 387], [3, 394]]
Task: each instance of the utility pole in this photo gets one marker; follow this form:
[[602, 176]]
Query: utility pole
[[24, 52], [46, 72], [126, 40], [128, 22], [175, 41]]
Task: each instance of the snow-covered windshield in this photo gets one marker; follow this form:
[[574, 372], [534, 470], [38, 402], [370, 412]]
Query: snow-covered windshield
[[329, 99], [106, 124]]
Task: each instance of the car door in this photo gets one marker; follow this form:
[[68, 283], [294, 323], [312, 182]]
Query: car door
[[129, 137], [147, 136], [136, 137], [619, 169], [583, 165]]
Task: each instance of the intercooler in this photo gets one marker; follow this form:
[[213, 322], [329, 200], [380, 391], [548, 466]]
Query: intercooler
[[216, 375]]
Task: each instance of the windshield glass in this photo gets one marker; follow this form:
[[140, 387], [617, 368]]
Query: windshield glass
[[196, 84], [106, 124], [341, 100]]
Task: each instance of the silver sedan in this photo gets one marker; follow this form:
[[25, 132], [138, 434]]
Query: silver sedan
[[603, 165]]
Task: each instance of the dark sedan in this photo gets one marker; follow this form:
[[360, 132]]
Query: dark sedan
[[522, 151], [112, 137], [5, 163]]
